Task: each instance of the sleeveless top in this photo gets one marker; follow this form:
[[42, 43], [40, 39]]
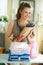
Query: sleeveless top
[[17, 30]]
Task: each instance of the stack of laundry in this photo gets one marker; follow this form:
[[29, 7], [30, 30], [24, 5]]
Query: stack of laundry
[[19, 51]]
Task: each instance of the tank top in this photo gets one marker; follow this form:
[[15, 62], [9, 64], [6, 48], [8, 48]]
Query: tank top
[[16, 29]]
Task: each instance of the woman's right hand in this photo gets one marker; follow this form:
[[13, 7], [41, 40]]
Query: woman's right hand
[[19, 38]]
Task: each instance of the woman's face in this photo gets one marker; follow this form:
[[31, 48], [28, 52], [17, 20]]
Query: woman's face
[[26, 13]]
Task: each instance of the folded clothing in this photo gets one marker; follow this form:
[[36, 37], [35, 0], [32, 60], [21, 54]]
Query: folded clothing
[[30, 25], [19, 51], [19, 57]]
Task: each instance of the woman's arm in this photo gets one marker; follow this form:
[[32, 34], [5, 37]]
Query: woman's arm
[[9, 32]]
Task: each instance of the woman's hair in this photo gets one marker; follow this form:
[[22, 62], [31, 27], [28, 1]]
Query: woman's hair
[[21, 7]]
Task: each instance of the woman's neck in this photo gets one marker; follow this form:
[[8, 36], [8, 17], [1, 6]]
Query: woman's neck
[[23, 21]]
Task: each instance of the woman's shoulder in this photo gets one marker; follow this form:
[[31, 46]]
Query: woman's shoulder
[[13, 22]]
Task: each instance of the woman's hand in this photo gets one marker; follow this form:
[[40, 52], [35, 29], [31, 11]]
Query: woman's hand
[[30, 37], [18, 39]]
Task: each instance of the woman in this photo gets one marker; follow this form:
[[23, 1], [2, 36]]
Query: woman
[[22, 19]]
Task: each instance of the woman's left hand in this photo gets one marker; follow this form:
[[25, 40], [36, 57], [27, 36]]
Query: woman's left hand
[[30, 38]]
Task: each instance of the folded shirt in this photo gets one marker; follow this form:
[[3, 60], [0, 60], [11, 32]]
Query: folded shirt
[[19, 57], [19, 51]]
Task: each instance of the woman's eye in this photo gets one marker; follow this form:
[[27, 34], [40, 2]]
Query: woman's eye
[[29, 12], [26, 12]]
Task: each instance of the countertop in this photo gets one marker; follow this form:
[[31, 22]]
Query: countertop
[[4, 59]]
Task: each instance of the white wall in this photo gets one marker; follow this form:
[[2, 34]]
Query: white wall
[[3, 7], [38, 9], [14, 8]]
